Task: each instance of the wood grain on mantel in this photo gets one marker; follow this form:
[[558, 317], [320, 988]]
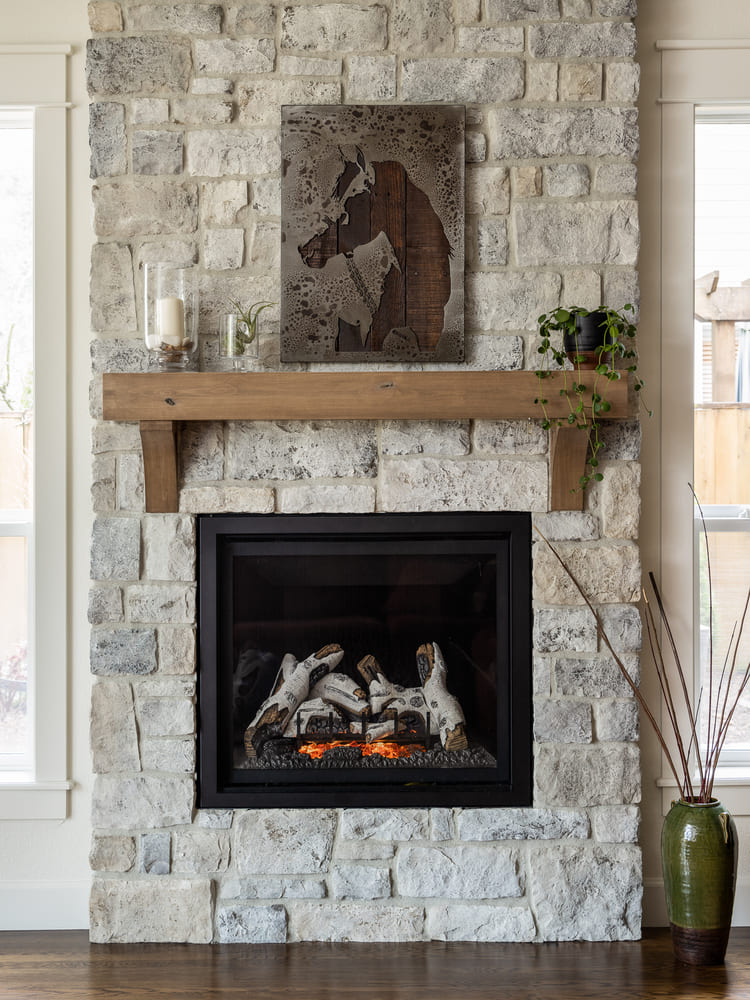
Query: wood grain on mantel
[[159, 401]]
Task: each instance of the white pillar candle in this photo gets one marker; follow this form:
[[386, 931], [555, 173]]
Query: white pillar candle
[[170, 321]]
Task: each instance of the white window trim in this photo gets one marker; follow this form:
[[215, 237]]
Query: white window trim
[[694, 72], [36, 77]]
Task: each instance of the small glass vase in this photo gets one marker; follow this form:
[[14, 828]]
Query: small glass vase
[[171, 316], [238, 344]]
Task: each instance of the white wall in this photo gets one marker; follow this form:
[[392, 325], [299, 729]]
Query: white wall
[[669, 19], [44, 876]]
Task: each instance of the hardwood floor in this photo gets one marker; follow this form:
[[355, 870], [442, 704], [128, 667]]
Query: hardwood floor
[[63, 964]]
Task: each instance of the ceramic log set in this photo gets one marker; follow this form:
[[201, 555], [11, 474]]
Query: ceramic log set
[[699, 862]]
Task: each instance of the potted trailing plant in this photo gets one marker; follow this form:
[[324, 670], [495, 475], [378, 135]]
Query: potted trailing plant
[[699, 837], [575, 340]]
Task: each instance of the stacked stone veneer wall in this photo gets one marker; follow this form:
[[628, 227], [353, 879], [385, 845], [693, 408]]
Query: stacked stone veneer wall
[[185, 161]]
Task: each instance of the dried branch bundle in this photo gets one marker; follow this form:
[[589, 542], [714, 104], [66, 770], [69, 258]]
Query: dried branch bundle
[[696, 780]]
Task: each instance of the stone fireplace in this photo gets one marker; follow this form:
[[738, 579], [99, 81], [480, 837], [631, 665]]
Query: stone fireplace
[[185, 104]]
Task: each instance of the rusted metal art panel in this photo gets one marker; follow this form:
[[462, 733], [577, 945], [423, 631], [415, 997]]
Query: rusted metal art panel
[[372, 224]]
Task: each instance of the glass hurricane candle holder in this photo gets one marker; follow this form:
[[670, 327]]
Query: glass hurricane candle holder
[[238, 344], [171, 315]]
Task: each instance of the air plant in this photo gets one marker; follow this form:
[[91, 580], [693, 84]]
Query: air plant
[[723, 696], [247, 318]]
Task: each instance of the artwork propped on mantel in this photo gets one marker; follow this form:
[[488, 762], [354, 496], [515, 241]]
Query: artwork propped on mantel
[[372, 244]]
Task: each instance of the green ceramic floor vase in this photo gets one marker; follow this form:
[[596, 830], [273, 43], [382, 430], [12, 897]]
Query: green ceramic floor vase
[[699, 861]]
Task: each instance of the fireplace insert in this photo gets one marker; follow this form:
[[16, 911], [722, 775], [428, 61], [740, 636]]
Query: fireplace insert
[[380, 659]]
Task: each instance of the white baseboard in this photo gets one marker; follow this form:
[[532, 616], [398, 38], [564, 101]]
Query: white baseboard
[[655, 910], [44, 906]]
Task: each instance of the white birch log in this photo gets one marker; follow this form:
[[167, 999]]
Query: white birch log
[[273, 715], [446, 708], [344, 693], [381, 691], [315, 717]]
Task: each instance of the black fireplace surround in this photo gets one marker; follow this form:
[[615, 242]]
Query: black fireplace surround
[[400, 592]]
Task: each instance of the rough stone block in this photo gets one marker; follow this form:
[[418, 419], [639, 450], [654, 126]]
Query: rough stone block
[[562, 721], [295, 65], [166, 717], [416, 484], [118, 355], [565, 907], [354, 922], [617, 8], [112, 854], [530, 133], [168, 547], [221, 201], [107, 139], [144, 800], [582, 41], [621, 438], [442, 824], [164, 687], [493, 352], [616, 824], [475, 147], [581, 81], [577, 233], [485, 39], [541, 81], [492, 242], [207, 110], [137, 65], [273, 888], [112, 733], [622, 623], [156, 152], [251, 924], [176, 649], [458, 872], [295, 450], [567, 525], [609, 573], [123, 651], [105, 605], [149, 111], [265, 247], [582, 286], [307, 836], [103, 484], [569, 629], [155, 853], [616, 721], [327, 499], [256, 19], [510, 437], [422, 27], [573, 777], [542, 673], [171, 603], [335, 27], [202, 452], [145, 207], [510, 300], [200, 851], [105, 15], [215, 153], [618, 499], [522, 824], [567, 180], [177, 910], [177, 756], [468, 11], [226, 56], [110, 436], [617, 179], [131, 492], [259, 102], [527, 182], [371, 78], [431, 437], [223, 249], [180, 252], [227, 499], [385, 824], [481, 80], [623, 82], [520, 10], [360, 882], [488, 191], [115, 548], [576, 8], [185, 18], [363, 850], [595, 677], [112, 288], [457, 922]]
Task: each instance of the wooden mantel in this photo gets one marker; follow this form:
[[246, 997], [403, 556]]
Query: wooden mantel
[[161, 401]]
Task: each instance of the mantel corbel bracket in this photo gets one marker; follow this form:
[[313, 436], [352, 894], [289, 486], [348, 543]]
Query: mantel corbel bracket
[[159, 442]]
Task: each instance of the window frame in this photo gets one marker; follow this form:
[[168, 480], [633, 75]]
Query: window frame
[[695, 73], [35, 77]]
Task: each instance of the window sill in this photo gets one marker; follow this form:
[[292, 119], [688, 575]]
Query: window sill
[[26, 799]]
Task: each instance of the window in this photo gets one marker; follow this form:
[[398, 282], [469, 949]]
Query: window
[[33, 417]]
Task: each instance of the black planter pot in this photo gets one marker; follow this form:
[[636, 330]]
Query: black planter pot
[[581, 349]]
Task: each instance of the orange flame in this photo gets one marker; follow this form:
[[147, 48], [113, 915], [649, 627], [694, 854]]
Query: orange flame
[[383, 748]]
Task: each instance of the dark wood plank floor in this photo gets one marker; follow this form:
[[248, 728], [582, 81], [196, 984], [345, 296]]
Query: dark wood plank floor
[[64, 964]]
